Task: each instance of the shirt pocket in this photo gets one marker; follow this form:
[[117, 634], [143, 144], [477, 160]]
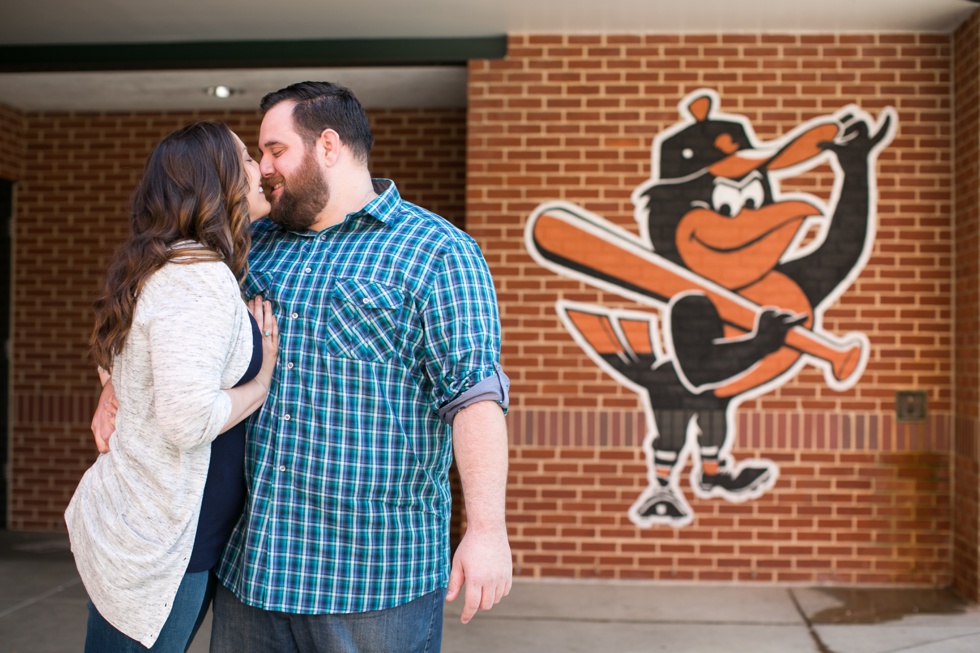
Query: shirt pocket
[[361, 320]]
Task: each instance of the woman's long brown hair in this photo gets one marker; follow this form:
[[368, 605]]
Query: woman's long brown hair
[[194, 188]]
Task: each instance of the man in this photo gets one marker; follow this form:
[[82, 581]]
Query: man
[[388, 362]]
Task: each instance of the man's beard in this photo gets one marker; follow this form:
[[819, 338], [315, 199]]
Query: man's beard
[[301, 198]]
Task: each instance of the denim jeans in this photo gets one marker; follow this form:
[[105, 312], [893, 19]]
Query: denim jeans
[[189, 609], [415, 627]]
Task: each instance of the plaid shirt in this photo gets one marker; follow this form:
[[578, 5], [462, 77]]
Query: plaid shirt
[[382, 319]]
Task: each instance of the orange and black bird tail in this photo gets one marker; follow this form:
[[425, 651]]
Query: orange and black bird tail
[[626, 344]]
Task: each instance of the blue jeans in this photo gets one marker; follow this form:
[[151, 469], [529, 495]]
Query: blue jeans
[[189, 609], [415, 627]]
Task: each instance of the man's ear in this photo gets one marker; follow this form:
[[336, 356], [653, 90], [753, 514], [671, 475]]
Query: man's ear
[[331, 143]]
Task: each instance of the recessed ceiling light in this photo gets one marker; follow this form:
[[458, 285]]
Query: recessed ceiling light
[[222, 92]]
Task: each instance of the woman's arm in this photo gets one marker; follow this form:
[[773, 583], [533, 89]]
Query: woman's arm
[[244, 400], [188, 318]]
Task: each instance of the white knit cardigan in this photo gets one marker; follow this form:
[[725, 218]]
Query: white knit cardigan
[[133, 517]]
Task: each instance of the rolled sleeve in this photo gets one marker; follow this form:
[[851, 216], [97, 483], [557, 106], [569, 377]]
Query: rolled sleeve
[[462, 329], [493, 388]]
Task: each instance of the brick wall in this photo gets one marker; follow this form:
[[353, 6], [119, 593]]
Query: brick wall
[[966, 533], [861, 498], [424, 151], [11, 143], [72, 200]]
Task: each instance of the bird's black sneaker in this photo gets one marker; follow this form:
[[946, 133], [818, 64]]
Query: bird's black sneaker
[[746, 480]]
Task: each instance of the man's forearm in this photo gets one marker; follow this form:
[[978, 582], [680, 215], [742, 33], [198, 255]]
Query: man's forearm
[[480, 445]]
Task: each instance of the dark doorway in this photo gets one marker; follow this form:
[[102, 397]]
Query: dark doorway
[[6, 254]]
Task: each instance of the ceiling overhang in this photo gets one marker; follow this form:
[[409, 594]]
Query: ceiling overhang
[[251, 54], [120, 55]]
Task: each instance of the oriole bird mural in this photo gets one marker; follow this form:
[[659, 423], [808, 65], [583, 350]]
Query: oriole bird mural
[[736, 278]]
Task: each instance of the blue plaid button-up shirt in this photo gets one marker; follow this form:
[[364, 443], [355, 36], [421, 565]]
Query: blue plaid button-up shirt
[[383, 319]]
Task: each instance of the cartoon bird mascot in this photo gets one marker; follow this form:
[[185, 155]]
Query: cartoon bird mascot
[[739, 295]]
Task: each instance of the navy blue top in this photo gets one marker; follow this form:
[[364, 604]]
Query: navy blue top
[[224, 491]]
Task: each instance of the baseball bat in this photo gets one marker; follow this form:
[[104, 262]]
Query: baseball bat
[[605, 256]]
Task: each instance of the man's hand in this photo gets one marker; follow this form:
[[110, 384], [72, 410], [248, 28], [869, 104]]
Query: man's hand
[[483, 563], [104, 419]]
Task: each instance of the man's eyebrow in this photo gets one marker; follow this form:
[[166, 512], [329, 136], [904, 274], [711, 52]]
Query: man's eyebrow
[[271, 143]]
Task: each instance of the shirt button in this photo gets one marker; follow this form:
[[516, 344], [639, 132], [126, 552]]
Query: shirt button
[[294, 315], [282, 468], [289, 366], [286, 417], [308, 270]]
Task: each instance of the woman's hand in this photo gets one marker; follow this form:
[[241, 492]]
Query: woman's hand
[[262, 312], [247, 398], [104, 419]]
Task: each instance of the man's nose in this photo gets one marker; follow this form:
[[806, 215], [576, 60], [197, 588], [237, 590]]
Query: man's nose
[[265, 166]]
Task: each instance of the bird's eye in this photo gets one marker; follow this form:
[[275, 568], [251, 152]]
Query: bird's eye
[[753, 195], [726, 201]]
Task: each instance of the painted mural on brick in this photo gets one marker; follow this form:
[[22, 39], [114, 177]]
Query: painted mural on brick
[[733, 277]]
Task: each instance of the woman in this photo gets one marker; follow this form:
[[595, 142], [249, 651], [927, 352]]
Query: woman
[[173, 329]]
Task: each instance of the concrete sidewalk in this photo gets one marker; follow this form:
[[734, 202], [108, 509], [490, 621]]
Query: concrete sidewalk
[[42, 610]]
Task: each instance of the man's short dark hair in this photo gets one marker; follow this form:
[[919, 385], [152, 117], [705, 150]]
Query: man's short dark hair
[[325, 105]]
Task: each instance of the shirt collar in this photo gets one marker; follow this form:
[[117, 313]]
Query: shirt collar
[[384, 207]]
